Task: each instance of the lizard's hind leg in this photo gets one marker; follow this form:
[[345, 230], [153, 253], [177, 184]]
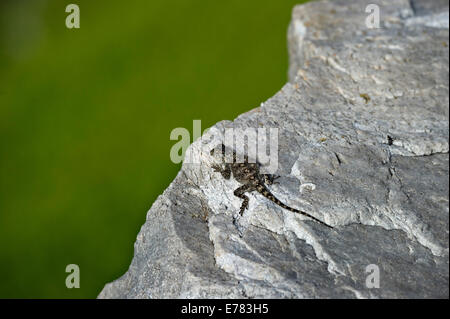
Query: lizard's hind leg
[[239, 192]]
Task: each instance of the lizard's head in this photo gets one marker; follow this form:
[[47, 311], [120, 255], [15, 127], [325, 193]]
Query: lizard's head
[[220, 147]]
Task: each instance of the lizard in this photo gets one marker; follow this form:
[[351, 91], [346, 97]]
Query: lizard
[[249, 175]]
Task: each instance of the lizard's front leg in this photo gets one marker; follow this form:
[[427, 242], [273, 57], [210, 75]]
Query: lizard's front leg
[[226, 172]]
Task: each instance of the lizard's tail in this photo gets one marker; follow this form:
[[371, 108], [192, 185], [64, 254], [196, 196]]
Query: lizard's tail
[[305, 214], [269, 195]]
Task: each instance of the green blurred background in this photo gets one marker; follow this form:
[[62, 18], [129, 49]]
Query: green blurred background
[[85, 118]]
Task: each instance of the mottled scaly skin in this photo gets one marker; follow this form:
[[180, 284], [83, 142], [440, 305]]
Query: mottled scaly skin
[[248, 174]]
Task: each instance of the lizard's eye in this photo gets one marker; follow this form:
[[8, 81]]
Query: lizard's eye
[[211, 152]]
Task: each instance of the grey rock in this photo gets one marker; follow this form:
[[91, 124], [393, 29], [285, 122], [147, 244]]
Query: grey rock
[[363, 145]]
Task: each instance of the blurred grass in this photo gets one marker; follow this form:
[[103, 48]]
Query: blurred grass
[[85, 118]]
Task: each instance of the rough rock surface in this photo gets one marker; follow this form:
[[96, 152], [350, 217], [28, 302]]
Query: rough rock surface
[[363, 145]]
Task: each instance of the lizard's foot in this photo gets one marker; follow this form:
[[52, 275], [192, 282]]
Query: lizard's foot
[[269, 179]]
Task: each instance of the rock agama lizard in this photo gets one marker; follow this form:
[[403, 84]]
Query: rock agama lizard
[[249, 175]]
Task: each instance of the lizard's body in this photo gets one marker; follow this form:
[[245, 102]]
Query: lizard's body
[[249, 175]]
